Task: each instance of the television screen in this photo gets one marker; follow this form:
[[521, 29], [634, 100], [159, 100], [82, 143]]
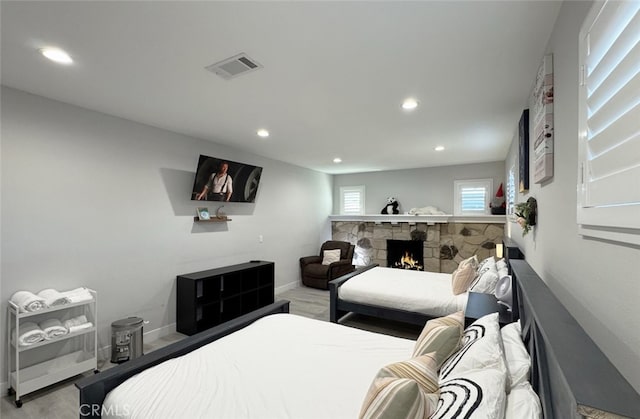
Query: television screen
[[225, 180]]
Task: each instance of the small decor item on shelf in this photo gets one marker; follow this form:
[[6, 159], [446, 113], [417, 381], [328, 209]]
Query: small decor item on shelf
[[203, 213], [220, 215], [526, 213]]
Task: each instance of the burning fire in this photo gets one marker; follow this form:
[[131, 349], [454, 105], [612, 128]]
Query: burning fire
[[408, 262]]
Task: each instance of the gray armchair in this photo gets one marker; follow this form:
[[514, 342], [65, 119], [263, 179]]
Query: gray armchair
[[316, 275]]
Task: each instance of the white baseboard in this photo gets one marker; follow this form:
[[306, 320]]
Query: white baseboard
[[287, 287], [160, 332]]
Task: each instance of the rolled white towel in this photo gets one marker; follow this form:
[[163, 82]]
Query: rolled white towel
[[53, 297], [30, 333], [75, 321], [79, 327], [78, 295], [28, 301], [53, 328]]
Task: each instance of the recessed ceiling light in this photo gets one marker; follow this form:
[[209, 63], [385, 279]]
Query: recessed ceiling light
[[439, 148], [57, 55], [337, 160], [263, 133], [409, 104]]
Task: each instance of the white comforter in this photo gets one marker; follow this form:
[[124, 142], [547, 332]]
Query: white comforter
[[282, 366], [423, 292]]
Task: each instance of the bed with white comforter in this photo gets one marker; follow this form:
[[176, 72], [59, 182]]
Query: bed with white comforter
[[428, 293], [270, 369]]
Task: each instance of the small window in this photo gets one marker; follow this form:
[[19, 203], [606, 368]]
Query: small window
[[352, 200], [472, 196]]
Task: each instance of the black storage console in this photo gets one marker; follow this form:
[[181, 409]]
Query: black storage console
[[209, 298]]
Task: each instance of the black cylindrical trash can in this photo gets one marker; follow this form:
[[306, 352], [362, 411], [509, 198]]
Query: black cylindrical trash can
[[126, 339]]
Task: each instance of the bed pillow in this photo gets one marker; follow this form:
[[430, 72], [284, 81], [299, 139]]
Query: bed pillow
[[440, 336], [481, 347], [481, 264], [484, 326], [523, 403], [331, 256], [486, 279], [462, 278], [475, 394], [503, 269], [516, 355], [406, 389]]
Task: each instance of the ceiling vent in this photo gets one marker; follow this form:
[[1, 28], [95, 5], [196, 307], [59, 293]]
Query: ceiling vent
[[234, 66]]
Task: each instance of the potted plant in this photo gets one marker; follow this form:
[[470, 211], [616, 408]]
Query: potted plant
[[526, 213]]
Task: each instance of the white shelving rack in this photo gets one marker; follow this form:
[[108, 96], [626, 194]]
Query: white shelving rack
[[47, 362]]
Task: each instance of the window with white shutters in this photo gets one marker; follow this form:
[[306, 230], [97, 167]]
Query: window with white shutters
[[472, 197], [352, 200], [609, 131]]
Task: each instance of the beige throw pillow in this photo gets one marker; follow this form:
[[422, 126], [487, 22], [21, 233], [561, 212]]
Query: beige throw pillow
[[440, 336], [462, 278], [473, 260], [330, 256], [407, 389]]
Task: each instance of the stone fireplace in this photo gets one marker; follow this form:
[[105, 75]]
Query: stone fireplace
[[444, 245], [405, 254]]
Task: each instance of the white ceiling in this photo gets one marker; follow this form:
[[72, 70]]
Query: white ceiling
[[334, 76]]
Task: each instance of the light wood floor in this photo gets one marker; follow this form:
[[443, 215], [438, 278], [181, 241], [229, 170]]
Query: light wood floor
[[60, 401]]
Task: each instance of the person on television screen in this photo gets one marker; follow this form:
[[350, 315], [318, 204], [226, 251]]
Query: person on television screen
[[219, 187]]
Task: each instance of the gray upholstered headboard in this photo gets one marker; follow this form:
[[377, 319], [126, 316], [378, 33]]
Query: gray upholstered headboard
[[572, 376]]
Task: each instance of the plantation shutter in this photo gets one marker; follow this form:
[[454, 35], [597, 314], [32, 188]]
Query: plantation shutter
[[472, 196], [609, 102], [473, 199], [352, 200]]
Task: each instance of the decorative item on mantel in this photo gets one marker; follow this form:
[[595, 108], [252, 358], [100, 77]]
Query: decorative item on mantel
[[428, 210], [498, 205], [391, 207], [526, 213]]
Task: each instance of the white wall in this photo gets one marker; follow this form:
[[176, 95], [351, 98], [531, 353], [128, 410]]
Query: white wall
[[415, 188], [93, 200], [597, 281]]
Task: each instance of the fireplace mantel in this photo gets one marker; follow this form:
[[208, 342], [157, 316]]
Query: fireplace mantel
[[446, 239], [429, 219]]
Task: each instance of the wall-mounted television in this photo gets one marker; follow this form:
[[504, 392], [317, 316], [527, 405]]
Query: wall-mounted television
[[225, 180]]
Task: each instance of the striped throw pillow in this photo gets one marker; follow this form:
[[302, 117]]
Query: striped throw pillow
[[393, 398], [406, 389], [462, 278], [442, 336], [422, 369]]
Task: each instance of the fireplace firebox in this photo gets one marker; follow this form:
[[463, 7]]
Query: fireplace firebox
[[405, 254]]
